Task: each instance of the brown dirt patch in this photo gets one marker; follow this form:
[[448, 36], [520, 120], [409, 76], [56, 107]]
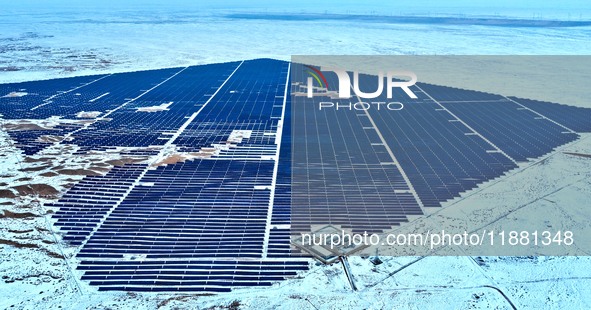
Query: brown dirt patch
[[13, 215], [34, 189], [23, 126], [124, 160], [49, 174], [38, 168], [30, 246], [17, 245], [33, 160], [172, 159], [101, 169], [77, 172], [6, 193]]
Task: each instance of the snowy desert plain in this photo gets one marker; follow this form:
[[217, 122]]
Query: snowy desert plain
[[37, 269]]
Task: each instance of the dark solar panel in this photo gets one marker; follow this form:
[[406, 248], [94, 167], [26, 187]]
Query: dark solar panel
[[213, 207], [574, 118], [86, 204], [520, 133], [223, 218]]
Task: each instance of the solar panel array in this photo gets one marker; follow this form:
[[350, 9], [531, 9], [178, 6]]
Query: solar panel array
[[336, 180], [87, 203], [14, 106], [263, 164], [516, 131], [216, 207], [440, 156], [70, 97], [575, 118], [200, 208], [446, 142], [183, 94]]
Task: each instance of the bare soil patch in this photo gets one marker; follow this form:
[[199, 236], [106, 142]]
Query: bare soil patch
[[34, 189]]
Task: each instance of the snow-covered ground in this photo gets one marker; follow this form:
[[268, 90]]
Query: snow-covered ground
[[35, 266], [38, 45]]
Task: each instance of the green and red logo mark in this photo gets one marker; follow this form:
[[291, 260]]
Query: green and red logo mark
[[318, 76]]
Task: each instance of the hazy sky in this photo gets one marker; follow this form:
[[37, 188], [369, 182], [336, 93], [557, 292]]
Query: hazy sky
[[563, 9], [328, 4]]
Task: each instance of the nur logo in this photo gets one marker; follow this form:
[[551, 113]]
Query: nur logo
[[392, 80]]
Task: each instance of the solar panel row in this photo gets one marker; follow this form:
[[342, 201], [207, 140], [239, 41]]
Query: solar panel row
[[87, 203], [17, 100], [441, 157], [575, 118], [187, 275], [520, 133], [281, 219]]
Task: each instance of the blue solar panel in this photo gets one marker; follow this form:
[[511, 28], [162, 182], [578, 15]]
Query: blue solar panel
[[186, 92], [214, 222], [213, 207], [521, 134], [83, 206], [37, 93], [574, 118]]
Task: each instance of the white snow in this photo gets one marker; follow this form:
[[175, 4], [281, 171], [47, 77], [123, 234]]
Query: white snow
[[91, 114], [15, 94], [157, 108], [171, 38]]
